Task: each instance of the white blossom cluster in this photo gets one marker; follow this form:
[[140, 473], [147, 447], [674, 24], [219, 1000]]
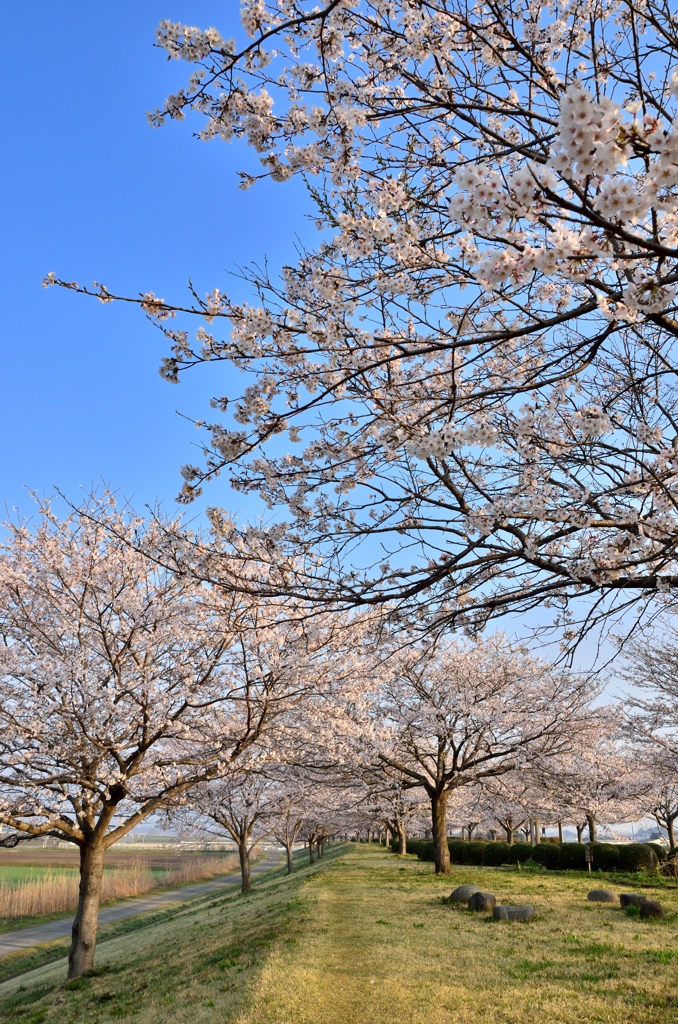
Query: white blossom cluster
[[478, 356]]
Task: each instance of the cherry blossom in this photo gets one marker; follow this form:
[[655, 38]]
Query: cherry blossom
[[475, 364], [454, 715], [125, 684]]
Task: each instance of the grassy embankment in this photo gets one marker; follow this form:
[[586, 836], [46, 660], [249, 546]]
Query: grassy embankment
[[364, 936]]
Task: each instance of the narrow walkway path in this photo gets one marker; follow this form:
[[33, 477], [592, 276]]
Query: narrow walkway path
[[25, 938]]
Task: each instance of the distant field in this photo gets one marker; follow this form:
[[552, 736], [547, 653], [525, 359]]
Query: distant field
[[67, 857], [366, 936], [37, 883]]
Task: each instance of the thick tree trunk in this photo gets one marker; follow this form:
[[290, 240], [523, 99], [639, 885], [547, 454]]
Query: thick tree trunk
[[537, 832], [591, 821], [509, 835], [560, 832], [84, 932], [470, 833], [244, 855], [290, 865], [311, 852], [441, 851], [580, 833], [402, 841]]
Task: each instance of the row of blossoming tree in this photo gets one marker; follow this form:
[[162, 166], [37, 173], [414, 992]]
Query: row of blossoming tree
[[129, 689], [461, 404]]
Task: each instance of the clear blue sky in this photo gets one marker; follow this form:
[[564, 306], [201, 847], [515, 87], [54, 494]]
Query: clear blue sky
[[90, 191]]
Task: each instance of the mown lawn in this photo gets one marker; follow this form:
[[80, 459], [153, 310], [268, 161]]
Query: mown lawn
[[366, 937]]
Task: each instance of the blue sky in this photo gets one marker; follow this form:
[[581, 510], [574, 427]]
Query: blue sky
[[91, 192]]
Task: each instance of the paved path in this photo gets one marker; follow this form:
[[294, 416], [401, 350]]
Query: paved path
[[25, 938]]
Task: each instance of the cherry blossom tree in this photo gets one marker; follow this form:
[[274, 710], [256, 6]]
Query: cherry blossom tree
[[477, 359], [240, 806], [507, 799], [652, 670], [467, 810], [662, 803], [125, 685], [653, 714], [457, 715], [598, 779], [401, 808], [288, 827]]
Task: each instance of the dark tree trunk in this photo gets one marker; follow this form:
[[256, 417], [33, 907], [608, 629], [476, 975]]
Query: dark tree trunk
[[244, 855], [560, 832], [580, 832], [84, 932], [290, 865], [509, 835], [591, 821], [402, 841], [470, 833], [311, 852], [441, 851]]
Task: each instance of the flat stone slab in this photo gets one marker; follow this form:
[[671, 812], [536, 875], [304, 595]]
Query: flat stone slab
[[601, 896], [651, 908], [463, 893], [483, 901], [632, 899], [525, 913]]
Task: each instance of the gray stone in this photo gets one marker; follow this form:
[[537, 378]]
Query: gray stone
[[651, 908], [632, 899], [482, 901], [601, 896], [463, 893], [525, 913]]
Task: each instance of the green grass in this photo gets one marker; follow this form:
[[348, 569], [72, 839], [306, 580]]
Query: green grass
[[16, 874], [364, 936]]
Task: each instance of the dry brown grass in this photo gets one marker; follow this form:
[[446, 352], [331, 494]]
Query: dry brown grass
[[56, 891]]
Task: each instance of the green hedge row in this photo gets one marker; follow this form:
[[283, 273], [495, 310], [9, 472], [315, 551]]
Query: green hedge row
[[563, 856]]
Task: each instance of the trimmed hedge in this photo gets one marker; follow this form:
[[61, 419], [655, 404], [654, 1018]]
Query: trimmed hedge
[[564, 856], [636, 857], [473, 852], [415, 845], [661, 851], [456, 848], [547, 855], [605, 856], [572, 857], [496, 853], [520, 852]]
